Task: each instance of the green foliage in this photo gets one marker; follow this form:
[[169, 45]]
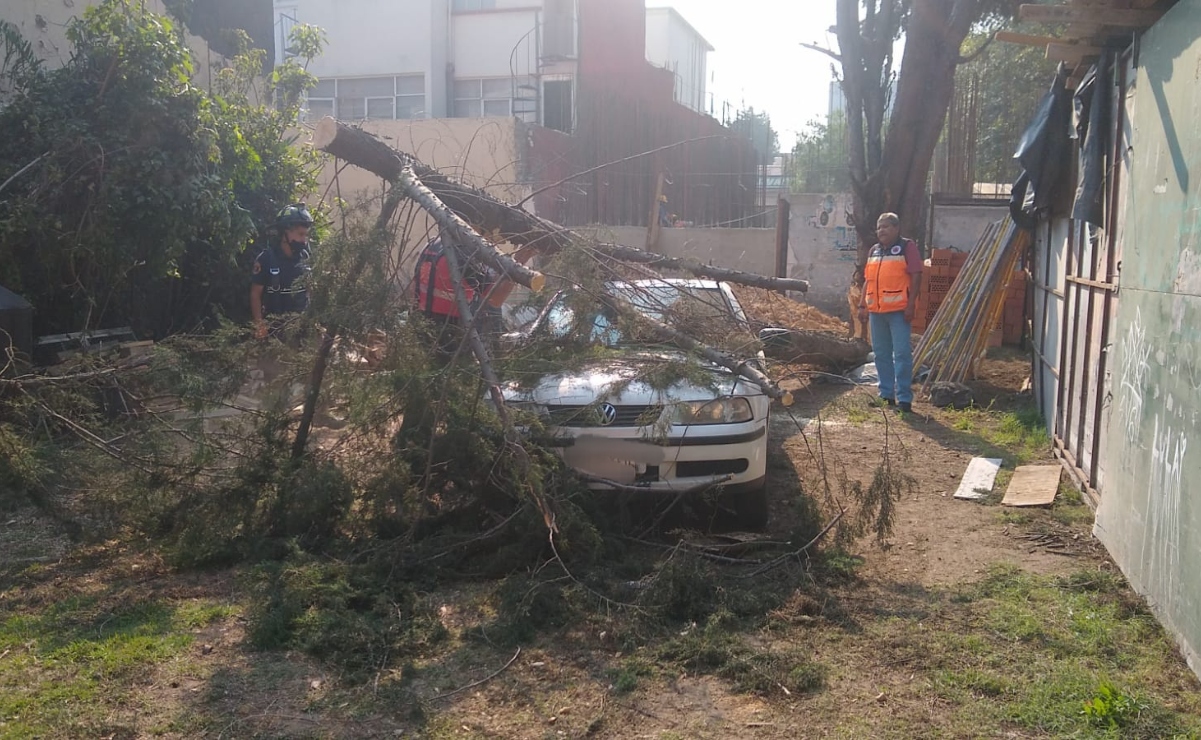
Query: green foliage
[[819, 159], [151, 190], [20, 66], [756, 126], [1010, 79], [1110, 708], [341, 613]]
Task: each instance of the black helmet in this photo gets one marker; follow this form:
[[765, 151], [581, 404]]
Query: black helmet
[[296, 214]]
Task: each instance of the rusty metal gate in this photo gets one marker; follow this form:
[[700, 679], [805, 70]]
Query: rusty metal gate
[[1075, 271]]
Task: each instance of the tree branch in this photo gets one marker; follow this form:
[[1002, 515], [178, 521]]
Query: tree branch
[[823, 50], [977, 53]]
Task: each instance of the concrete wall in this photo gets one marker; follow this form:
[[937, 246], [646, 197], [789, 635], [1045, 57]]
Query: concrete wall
[[823, 248], [1150, 512], [44, 25], [751, 250], [960, 225]]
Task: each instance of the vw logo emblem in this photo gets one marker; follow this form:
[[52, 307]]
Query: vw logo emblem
[[608, 414]]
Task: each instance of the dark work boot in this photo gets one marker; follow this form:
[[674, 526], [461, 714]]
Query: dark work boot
[[905, 406]]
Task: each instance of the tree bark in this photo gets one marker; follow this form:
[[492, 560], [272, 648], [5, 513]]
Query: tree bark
[[464, 235], [819, 349], [934, 36], [890, 172], [484, 212]]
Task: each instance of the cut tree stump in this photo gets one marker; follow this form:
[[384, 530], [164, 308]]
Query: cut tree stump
[[837, 354]]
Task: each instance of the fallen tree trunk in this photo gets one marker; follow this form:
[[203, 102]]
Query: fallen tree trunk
[[464, 235], [484, 212], [816, 348], [650, 259], [488, 214]]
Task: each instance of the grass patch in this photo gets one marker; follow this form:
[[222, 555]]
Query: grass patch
[[714, 649], [1073, 657], [856, 414], [63, 670], [1019, 437]]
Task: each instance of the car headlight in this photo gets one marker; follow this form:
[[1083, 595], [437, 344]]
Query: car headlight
[[717, 411]]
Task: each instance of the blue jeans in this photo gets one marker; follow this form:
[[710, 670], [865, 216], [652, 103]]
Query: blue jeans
[[894, 355]]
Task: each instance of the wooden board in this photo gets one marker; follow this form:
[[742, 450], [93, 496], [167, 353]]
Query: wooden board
[[978, 479], [1121, 17], [1033, 485]]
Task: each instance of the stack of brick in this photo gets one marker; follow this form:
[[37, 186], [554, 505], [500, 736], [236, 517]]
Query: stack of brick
[[945, 266]]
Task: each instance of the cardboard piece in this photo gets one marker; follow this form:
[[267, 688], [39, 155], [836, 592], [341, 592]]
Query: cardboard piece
[[1033, 485], [978, 479]]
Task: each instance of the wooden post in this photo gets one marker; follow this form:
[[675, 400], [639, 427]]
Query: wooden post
[[652, 229], [783, 216]]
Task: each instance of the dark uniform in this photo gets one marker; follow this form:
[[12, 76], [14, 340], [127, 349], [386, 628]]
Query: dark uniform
[[285, 280]]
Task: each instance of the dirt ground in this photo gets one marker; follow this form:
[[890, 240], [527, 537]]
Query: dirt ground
[[563, 685]]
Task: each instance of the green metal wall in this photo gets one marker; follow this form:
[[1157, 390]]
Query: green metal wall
[[1150, 512]]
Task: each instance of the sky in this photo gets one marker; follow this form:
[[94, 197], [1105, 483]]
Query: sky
[[758, 60]]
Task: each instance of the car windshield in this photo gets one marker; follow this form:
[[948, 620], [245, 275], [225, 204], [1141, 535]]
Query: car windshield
[[702, 312]]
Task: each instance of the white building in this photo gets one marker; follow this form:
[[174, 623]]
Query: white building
[[405, 59], [672, 43]]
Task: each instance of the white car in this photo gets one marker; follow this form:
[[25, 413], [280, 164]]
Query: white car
[[621, 428]]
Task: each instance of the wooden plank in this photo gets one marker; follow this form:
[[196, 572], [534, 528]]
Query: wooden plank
[[1033, 485], [978, 479], [1124, 18], [1025, 39]]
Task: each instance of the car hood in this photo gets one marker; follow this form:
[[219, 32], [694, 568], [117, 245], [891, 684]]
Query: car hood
[[615, 380]]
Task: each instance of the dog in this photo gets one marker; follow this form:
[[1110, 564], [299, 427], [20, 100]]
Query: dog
[[857, 329]]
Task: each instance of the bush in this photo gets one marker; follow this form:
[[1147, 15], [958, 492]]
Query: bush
[[146, 192]]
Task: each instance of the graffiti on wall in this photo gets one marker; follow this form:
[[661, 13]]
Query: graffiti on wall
[[1161, 545], [834, 214], [1136, 355]]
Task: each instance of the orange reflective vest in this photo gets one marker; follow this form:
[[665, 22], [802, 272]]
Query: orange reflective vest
[[886, 278], [433, 290]]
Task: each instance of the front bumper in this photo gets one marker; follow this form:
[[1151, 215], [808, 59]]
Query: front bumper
[[687, 457]]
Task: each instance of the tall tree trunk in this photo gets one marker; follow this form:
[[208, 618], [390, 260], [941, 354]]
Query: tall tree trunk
[[889, 173], [936, 31]]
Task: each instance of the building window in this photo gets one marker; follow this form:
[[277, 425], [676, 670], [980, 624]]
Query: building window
[[285, 21], [559, 109], [484, 98], [466, 6], [359, 98]]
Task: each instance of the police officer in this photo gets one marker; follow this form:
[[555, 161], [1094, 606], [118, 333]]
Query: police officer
[[280, 277]]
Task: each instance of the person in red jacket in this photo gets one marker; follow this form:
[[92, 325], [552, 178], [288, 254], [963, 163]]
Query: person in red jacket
[[434, 291], [892, 278]]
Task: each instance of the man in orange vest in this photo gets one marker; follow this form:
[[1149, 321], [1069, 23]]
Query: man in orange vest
[[892, 277]]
